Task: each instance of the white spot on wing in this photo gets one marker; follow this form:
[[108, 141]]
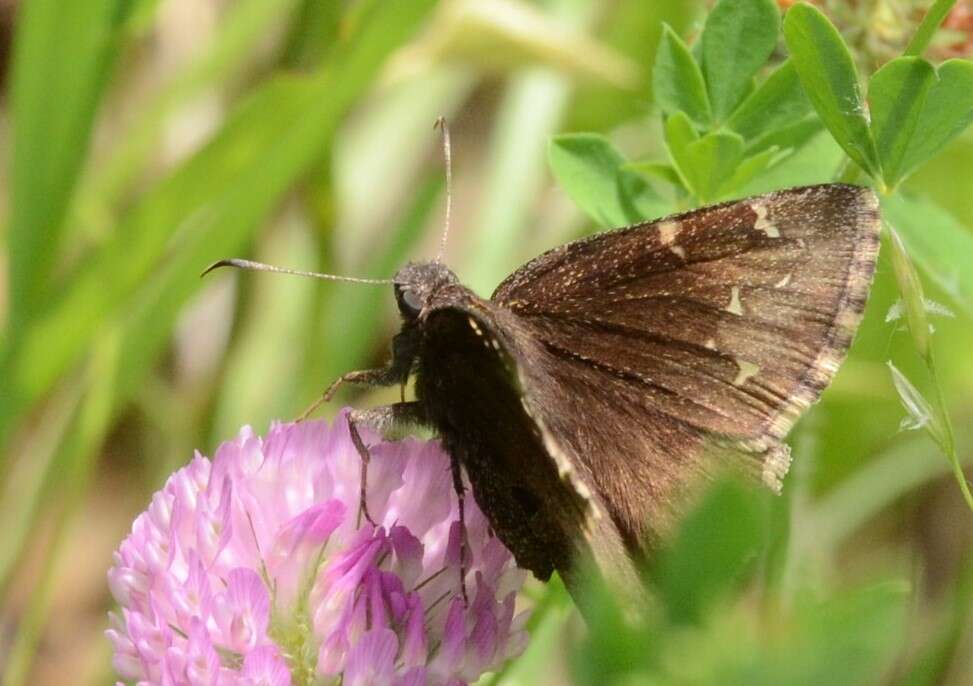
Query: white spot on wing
[[668, 230], [735, 306], [565, 469], [710, 343], [762, 223], [747, 371], [783, 282]]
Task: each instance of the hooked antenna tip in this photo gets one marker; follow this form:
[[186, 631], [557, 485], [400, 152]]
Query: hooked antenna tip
[[230, 262]]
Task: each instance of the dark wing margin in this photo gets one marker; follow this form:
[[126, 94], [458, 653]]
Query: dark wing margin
[[716, 327]]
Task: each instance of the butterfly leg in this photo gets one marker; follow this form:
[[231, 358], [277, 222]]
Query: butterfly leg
[[397, 372], [381, 419], [385, 376], [461, 500]]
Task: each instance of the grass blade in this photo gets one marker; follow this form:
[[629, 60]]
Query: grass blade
[[63, 55], [216, 200]]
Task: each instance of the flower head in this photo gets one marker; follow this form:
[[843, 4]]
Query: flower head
[[256, 568]]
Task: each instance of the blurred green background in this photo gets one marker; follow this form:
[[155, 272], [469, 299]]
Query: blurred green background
[[144, 139]]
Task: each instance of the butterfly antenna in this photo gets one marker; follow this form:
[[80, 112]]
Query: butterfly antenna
[[441, 125], [261, 267]]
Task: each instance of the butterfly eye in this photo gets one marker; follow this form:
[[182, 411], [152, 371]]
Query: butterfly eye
[[409, 302]]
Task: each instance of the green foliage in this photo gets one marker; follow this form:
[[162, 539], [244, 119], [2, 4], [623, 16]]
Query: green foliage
[[119, 305], [930, 24], [916, 109], [896, 94], [938, 243], [64, 54], [721, 132], [776, 104], [716, 544], [846, 637], [704, 164], [722, 135], [677, 81], [593, 172], [737, 39], [921, 109], [228, 187], [831, 82], [106, 235]]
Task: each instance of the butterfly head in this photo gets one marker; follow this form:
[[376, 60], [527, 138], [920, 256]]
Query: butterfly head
[[416, 283]]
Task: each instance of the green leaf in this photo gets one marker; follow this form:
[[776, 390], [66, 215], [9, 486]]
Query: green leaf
[[848, 639], [750, 168], [137, 16], [615, 644], [737, 39], [679, 132], [896, 97], [75, 461], [937, 242], [713, 548], [777, 103], [679, 135], [705, 163], [658, 170], [827, 72], [814, 162], [63, 54], [946, 109], [677, 81], [592, 172], [713, 158], [790, 137]]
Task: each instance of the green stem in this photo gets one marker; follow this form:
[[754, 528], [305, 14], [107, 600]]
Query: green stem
[[948, 444], [930, 23]]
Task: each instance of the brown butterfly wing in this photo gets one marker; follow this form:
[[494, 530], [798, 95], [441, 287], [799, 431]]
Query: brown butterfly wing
[[714, 328], [470, 382]]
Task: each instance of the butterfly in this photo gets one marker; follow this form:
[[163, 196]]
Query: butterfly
[[606, 376]]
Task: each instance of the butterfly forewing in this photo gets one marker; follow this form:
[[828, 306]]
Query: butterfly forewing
[[717, 326]]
